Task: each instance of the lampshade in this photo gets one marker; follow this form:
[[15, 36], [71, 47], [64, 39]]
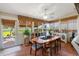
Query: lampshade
[[45, 17]]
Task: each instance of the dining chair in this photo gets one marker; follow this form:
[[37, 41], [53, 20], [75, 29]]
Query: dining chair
[[35, 46], [50, 47], [53, 47]]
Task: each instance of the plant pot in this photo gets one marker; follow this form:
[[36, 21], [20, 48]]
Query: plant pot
[[26, 39], [25, 36]]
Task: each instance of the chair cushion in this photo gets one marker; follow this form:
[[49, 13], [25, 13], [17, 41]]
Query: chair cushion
[[38, 46]]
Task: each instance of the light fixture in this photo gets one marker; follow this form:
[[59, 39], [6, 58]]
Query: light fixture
[[45, 14], [45, 17]]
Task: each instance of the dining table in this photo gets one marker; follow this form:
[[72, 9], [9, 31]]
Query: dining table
[[56, 39]]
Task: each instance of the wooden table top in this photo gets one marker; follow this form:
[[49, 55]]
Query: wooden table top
[[41, 41]]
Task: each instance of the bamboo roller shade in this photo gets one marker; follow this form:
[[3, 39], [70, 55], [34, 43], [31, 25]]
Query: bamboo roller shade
[[7, 22]]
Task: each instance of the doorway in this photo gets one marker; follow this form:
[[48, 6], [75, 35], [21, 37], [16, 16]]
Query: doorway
[[8, 33]]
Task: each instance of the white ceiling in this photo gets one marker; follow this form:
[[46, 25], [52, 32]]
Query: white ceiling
[[36, 10]]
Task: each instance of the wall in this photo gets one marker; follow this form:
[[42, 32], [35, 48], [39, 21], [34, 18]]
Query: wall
[[8, 16], [78, 27], [0, 36], [78, 24]]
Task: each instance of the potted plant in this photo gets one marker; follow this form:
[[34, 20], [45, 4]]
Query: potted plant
[[26, 33]]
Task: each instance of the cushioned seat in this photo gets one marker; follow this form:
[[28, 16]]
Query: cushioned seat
[[36, 46]]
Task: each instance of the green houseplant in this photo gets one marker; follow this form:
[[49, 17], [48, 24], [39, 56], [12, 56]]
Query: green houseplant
[[27, 33]]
